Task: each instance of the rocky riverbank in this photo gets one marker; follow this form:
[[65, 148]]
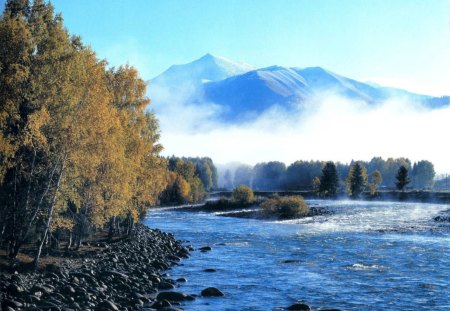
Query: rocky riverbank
[[125, 275]]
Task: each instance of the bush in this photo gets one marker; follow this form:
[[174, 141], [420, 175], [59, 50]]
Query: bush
[[285, 207], [243, 195]]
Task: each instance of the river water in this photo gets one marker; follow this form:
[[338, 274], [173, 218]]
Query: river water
[[363, 256]]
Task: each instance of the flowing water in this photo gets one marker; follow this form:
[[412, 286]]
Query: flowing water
[[363, 256]]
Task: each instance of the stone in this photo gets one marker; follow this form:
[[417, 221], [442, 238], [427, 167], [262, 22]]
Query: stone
[[211, 292], [205, 248], [161, 304], [209, 270], [299, 306], [12, 303], [107, 305], [181, 280], [173, 296], [14, 289], [165, 286]]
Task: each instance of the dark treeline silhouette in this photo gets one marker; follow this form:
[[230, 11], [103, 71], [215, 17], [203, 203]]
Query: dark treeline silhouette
[[300, 175]]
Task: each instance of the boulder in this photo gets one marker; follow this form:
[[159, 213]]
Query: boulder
[[11, 303], [165, 286], [299, 306], [106, 305], [173, 296], [211, 292]]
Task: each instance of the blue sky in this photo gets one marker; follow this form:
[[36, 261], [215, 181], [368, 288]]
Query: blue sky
[[399, 43]]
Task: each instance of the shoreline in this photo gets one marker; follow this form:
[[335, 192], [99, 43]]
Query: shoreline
[[125, 275], [412, 196]]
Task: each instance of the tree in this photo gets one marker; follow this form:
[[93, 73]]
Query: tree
[[228, 180], [243, 194], [268, 176], [402, 178], [77, 148], [423, 175], [300, 174], [243, 175], [316, 184], [356, 180], [375, 180], [329, 181]]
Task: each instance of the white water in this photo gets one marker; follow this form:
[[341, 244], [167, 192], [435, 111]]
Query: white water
[[364, 256]]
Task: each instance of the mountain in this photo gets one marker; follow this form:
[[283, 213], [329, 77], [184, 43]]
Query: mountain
[[204, 69], [243, 92]]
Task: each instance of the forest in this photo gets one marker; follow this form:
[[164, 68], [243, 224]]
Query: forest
[[304, 175]]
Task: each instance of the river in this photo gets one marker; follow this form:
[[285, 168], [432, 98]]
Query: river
[[363, 256]]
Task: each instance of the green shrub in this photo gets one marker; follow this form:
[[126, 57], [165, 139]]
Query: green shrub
[[285, 207], [243, 195]]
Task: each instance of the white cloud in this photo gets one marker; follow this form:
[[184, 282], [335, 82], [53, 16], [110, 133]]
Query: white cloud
[[434, 87], [329, 127], [128, 51]]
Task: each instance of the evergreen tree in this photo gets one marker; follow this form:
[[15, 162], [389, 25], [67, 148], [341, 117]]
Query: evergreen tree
[[329, 181], [356, 180], [402, 178]]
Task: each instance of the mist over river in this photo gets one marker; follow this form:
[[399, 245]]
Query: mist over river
[[363, 256]]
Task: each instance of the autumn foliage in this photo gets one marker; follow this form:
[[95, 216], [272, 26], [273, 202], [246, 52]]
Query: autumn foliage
[[78, 150]]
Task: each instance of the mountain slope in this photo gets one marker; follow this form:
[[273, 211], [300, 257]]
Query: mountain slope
[[206, 68], [255, 91], [243, 92]]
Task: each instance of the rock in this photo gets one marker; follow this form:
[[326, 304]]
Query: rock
[[107, 305], [291, 261], [299, 306], [8, 309], [181, 280], [161, 304], [14, 289], [53, 268], [209, 270], [211, 292], [68, 290], [165, 286], [116, 274], [11, 303], [173, 296], [205, 248]]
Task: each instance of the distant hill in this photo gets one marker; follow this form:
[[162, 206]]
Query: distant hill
[[243, 92]]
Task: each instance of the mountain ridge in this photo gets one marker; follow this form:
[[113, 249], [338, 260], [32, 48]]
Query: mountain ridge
[[243, 90]]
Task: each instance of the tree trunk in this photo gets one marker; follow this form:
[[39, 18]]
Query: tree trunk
[[50, 215], [111, 229], [25, 231], [69, 242]]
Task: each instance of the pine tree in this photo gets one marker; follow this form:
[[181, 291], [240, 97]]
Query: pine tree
[[329, 181], [356, 180], [402, 178]]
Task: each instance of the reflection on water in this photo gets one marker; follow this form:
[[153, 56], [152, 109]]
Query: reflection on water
[[364, 256]]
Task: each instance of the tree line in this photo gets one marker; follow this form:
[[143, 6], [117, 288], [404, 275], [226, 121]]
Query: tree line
[[189, 179], [305, 175], [79, 151]]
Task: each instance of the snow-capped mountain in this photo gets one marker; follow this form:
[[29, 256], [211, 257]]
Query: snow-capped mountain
[[243, 92], [205, 69]]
